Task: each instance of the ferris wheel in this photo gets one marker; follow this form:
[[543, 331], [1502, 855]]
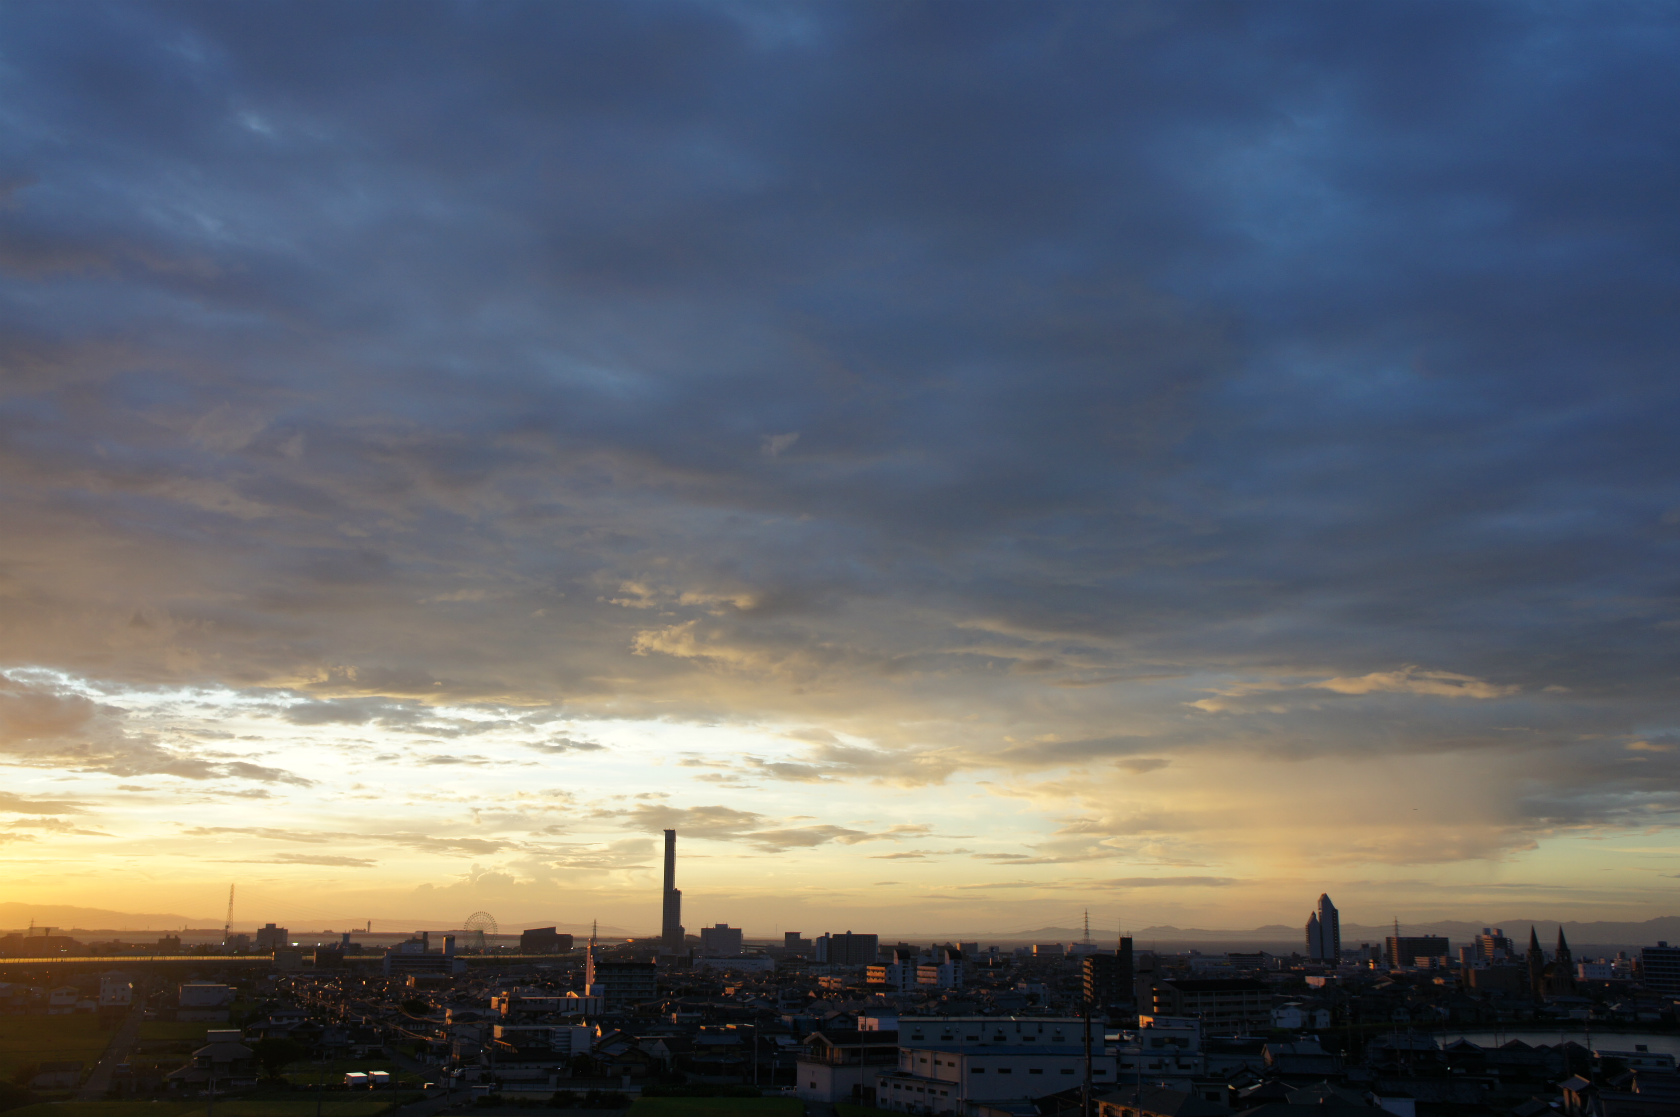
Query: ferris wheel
[[479, 924]]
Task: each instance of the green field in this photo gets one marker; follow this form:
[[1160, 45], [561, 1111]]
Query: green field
[[717, 1107], [46, 1039], [132, 1108], [334, 1105]]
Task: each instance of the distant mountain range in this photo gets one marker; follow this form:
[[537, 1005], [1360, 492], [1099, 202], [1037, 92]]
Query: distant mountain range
[[64, 916], [68, 918], [1275, 937], [1601, 934]]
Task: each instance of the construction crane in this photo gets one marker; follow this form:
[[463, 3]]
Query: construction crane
[[227, 928]]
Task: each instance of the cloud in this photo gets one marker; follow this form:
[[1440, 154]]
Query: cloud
[[1410, 680], [46, 724], [1140, 765], [720, 823], [1168, 882], [564, 744], [17, 804], [324, 859], [1173, 397], [426, 843], [772, 445], [629, 853]]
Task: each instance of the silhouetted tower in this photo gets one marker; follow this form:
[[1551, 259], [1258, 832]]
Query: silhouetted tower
[[1536, 964], [1128, 970], [1562, 968], [671, 929]]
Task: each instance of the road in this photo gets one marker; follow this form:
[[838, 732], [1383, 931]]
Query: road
[[115, 1052]]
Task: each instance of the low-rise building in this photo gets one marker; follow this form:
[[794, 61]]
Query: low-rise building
[[1222, 1004], [946, 1064], [544, 940], [840, 1066], [116, 990], [223, 1060]]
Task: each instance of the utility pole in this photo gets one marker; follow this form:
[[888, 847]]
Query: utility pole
[[321, 1086], [1085, 1091]]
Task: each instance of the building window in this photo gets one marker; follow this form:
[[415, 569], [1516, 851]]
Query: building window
[[1067, 1070], [976, 1070], [1036, 1070], [1005, 1070]]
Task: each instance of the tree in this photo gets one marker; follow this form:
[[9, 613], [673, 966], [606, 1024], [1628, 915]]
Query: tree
[[414, 1006], [15, 1097], [276, 1053]]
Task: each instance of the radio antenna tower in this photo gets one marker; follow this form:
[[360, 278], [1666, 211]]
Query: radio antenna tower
[[1087, 926], [227, 928]]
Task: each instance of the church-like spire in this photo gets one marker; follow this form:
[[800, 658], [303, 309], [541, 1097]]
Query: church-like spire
[[1536, 964]]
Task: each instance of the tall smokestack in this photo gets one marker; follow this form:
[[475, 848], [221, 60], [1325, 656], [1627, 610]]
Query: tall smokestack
[[671, 932]]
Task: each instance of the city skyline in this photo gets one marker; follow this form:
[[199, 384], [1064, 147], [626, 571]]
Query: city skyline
[[956, 465]]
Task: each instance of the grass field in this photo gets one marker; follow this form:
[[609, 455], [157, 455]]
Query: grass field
[[131, 1108], [334, 1105], [46, 1039], [717, 1107]]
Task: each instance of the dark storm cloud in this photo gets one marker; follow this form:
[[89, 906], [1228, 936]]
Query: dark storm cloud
[[919, 359]]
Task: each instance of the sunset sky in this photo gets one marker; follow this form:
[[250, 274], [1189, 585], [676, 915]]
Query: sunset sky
[[959, 464]]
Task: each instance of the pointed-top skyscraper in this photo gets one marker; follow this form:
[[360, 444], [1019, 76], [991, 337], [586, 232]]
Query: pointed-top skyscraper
[[1324, 932]]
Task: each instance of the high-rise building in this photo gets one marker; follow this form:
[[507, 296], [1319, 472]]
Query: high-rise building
[[1659, 968], [671, 930], [1324, 932], [721, 941], [1492, 946], [270, 937], [1107, 978], [849, 949], [1403, 951]]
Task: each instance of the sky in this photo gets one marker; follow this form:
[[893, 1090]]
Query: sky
[[960, 465]]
